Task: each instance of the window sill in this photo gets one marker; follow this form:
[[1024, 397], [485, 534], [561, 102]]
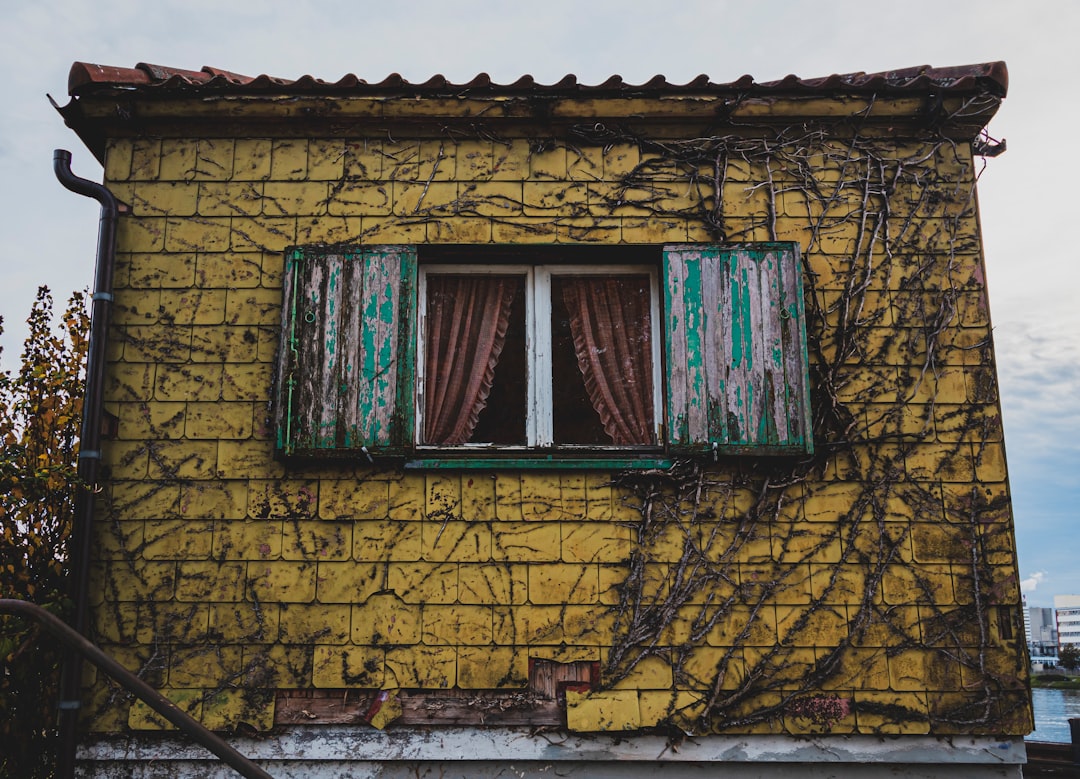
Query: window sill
[[548, 462]]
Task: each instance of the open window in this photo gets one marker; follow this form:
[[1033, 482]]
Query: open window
[[538, 357], [483, 358]]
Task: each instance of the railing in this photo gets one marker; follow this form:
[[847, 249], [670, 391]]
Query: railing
[[136, 686]]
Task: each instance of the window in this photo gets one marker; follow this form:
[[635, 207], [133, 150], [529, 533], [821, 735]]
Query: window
[[474, 356], [541, 356]]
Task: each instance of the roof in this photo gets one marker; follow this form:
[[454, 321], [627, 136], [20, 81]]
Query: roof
[[108, 101], [991, 77]]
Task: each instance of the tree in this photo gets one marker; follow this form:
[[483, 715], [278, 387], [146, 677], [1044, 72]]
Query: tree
[[1069, 656], [40, 409]]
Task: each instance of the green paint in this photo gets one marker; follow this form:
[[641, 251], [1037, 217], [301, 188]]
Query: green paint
[[285, 437], [331, 317], [693, 296], [369, 345], [736, 336], [748, 333], [548, 462]]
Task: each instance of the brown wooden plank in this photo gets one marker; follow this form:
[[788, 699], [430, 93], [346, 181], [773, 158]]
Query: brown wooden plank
[[1050, 759], [478, 707], [343, 707], [421, 707], [542, 703], [547, 678]]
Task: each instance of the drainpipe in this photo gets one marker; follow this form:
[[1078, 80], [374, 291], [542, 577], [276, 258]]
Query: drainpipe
[[89, 450]]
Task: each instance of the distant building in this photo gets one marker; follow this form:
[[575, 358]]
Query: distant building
[[1068, 619], [1041, 631]]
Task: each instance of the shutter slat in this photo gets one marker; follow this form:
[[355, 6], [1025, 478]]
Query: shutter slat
[[349, 339], [736, 331], [775, 417], [382, 352], [793, 340], [696, 376], [284, 374], [309, 352], [676, 333], [715, 323], [327, 409]]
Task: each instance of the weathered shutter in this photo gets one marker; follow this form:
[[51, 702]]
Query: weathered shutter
[[737, 380], [346, 374]]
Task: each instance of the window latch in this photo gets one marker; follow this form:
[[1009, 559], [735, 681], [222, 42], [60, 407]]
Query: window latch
[[715, 452], [367, 454]]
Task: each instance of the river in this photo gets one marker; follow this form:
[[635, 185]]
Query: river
[[1053, 708]]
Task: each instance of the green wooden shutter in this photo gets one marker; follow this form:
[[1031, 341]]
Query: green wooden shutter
[[346, 369], [735, 333]]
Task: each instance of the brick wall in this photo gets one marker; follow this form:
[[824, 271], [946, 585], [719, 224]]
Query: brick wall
[[888, 565]]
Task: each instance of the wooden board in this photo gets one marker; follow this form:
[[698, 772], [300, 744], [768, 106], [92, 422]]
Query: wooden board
[[541, 704]]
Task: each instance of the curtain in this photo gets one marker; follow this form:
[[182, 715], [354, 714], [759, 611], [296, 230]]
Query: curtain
[[467, 318], [610, 325]]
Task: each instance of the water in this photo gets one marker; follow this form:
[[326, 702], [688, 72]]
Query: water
[[1053, 708]]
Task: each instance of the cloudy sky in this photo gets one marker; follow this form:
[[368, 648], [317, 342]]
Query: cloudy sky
[[1028, 216]]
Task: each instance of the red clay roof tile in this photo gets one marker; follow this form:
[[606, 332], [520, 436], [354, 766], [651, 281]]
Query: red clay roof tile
[[986, 77]]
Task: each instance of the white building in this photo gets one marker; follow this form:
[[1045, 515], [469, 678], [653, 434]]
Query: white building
[[1068, 619], [1041, 630]]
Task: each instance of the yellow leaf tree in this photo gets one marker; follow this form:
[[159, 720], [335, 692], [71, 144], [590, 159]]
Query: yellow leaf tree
[[40, 409]]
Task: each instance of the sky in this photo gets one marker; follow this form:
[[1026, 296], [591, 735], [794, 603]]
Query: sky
[[1026, 210]]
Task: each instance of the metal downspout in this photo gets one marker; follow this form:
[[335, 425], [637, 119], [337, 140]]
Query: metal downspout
[[89, 450]]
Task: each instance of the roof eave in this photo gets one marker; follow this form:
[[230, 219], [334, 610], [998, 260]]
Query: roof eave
[[148, 99], [990, 77]]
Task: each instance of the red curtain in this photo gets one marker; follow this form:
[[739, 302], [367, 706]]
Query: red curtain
[[610, 325], [467, 318]]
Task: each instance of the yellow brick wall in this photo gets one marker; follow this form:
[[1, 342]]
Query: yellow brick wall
[[222, 575]]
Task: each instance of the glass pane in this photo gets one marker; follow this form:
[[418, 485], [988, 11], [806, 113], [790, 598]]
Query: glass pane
[[474, 385], [602, 373], [503, 419]]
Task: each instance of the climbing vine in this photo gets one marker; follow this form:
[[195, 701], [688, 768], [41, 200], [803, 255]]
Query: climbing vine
[[777, 593], [890, 298]]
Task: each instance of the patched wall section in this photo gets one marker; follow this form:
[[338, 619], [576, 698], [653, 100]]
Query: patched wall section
[[871, 588]]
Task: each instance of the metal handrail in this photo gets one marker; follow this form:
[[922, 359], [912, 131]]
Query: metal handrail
[[133, 684]]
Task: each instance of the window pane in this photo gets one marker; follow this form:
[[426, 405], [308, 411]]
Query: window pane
[[575, 420], [602, 372], [474, 387], [502, 421]]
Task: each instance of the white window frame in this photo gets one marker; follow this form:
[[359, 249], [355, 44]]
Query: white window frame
[[539, 422]]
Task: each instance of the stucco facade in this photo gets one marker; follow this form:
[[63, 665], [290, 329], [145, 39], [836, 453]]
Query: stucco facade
[[862, 587]]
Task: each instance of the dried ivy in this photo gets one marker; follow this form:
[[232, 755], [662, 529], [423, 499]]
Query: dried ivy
[[909, 235], [718, 547]]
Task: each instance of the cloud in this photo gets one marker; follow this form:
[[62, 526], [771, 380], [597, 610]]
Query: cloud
[[1031, 583]]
